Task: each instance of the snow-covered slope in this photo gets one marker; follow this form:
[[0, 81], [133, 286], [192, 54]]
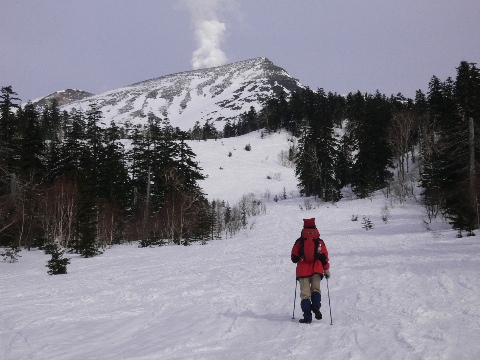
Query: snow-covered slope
[[258, 171], [398, 291], [214, 94]]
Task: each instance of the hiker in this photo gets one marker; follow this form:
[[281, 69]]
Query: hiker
[[311, 256]]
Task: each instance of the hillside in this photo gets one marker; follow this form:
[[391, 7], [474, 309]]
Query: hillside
[[398, 291], [215, 94], [258, 171]]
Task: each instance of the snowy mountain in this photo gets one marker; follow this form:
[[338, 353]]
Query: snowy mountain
[[214, 94]]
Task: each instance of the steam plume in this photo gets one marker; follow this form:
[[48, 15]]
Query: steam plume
[[209, 32]]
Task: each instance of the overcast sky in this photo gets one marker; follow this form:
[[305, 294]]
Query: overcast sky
[[341, 46]]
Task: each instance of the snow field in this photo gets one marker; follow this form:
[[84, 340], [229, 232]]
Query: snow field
[[245, 172]]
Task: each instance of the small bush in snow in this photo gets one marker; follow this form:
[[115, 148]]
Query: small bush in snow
[[385, 214], [354, 217], [248, 147], [11, 253], [367, 223], [151, 241], [307, 204]]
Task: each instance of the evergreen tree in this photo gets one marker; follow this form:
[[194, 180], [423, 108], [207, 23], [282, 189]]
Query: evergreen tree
[[229, 129], [204, 227], [450, 150], [209, 131], [57, 264], [305, 162], [8, 129], [72, 148], [467, 96], [370, 120], [114, 173], [197, 131], [86, 242], [185, 161], [318, 151], [94, 152], [52, 121], [30, 143]]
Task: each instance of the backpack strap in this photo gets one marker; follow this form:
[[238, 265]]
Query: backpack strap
[[302, 244], [320, 255]]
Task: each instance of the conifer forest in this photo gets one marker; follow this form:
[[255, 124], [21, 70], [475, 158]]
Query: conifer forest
[[69, 182]]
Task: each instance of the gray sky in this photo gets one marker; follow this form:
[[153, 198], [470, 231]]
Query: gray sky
[[341, 46]]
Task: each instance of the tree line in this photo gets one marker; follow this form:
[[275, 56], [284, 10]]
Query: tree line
[[68, 181]]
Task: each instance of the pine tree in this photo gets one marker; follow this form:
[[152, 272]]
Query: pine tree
[[30, 143], [197, 131], [57, 264], [467, 96], [370, 117], [229, 130], [450, 149], [304, 162], [185, 161], [94, 151], [114, 173], [318, 151], [212, 214], [87, 156], [204, 227], [52, 121], [71, 149], [8, 129], [86, 242]]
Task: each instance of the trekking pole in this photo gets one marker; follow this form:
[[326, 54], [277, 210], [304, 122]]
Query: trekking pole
[[295, 299], [328, 292]]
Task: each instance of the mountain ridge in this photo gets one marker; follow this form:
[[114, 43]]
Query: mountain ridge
[[217, 94]]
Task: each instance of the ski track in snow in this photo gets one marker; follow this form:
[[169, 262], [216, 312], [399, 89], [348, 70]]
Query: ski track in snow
[[397, 291]]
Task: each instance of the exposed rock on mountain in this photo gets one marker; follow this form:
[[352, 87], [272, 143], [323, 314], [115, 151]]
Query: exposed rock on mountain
[[63, 97]]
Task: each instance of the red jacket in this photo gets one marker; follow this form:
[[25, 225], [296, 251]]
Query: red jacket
[[310, 254]]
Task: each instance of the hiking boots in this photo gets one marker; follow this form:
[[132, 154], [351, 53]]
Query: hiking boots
[[304, 321], [307, 311], [318, 314], [316, 303]]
